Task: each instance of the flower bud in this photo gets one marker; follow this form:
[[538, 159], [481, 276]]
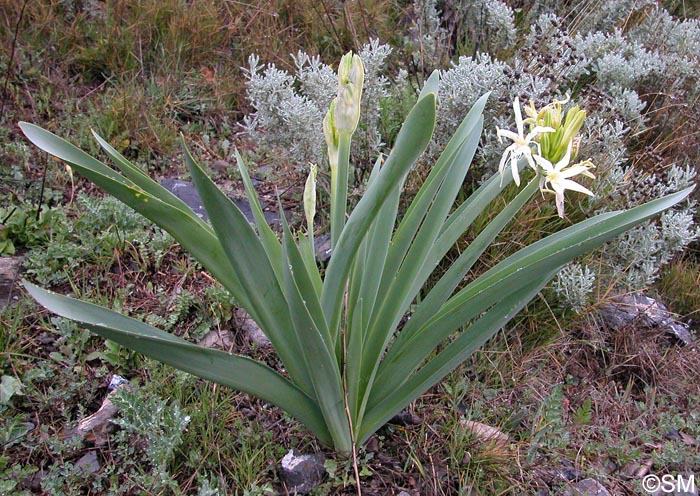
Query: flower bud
[[351, 76], [310, 198], [331, 134]]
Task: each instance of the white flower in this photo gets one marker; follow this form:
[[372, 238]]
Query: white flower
[[521, 143], [558, 177]]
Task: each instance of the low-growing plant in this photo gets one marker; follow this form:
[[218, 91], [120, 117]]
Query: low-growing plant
[[351, 359]]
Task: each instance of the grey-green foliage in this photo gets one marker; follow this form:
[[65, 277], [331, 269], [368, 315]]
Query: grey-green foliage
[[574, 285], [289, 108], [153, 426], [427, 39], [623, 77], [101, 226], [636, 259]]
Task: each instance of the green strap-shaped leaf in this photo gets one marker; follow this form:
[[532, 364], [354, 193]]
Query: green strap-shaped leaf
[[411, 141], [443, 289], [420, 204], [194, 236], [269, 240], [418, 263], [143, 181], [410, 276], [317, 350], [252, 268], [238, 372], [381, 409], [511, 275]]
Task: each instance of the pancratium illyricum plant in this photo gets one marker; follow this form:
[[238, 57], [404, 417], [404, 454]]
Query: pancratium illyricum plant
[[548, 148], [350, 358]]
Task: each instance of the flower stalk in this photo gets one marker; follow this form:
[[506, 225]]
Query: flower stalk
[[338, 127]]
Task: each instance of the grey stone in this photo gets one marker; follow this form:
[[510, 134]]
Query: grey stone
[[251, 329], [186, 192], [116, 381], [322, 245], [302, 473], [9, 273], [89, 462], [405, 418], [586, 487], [218, 339], [623, 310]]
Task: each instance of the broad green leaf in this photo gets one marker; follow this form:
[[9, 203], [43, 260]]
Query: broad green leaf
[[407, 281], [413, 218], [412, 139], [382, 408], [443, 289], [144, 182], [238, 372], [309, 325], [510, 275], [269, 240], [196, 238], [253, 269]]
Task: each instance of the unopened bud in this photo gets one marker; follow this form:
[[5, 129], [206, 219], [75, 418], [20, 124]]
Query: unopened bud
[[351, 75], [310, 198], [331, 134]]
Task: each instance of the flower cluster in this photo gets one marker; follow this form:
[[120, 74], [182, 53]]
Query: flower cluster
[[548, 148]]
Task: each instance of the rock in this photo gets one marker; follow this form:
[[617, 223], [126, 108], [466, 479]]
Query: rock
[[186, 192], [218, 339], [272, 218], [569, 472], [486, 432], [34, 482], [116, 381], [221, 166], [302, 473], [9, 272], [251, 329], [405, 418], [89, 462], [586, 487], [97, 427], [322, 245], [622, 310], [636, 469], [404, 493]]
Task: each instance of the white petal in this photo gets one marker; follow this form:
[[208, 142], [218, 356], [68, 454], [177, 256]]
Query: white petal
[[514, 168], [510, 135], [574, 186], [544, 163], [574, 170], [560, 205], [518, 115], [538, 130]]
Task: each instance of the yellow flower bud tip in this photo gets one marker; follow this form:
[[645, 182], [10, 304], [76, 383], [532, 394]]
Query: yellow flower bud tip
[[572, 123]]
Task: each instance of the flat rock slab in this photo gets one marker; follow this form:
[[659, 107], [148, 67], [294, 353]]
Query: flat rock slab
[[186, 192], [623, 310], [9, 275]]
